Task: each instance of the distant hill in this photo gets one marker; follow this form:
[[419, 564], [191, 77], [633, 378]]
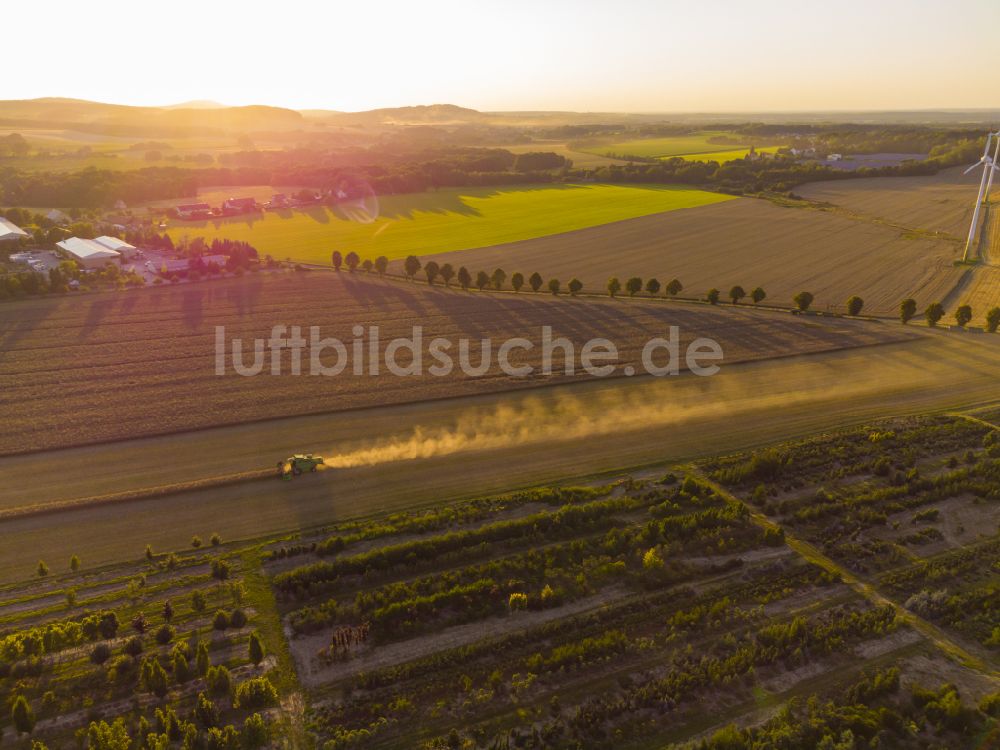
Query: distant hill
[[119, 119], [423, 114], [196, 104]]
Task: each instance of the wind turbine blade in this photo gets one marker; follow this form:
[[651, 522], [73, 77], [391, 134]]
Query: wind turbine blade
[[971, 168]]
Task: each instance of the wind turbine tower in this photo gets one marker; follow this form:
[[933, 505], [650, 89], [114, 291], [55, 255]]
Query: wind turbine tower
[[989, 167]]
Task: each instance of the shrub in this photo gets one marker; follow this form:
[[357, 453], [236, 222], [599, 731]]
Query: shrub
[[256, 648], [164, 634], [215, 540], [100, 653], [22, 715], [221, 620], [257, 692], [254, 731], [219, 681], [237, 619], [133, 646]]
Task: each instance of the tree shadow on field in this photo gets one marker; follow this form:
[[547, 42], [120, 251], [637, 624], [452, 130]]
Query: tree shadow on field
[[98, 310], [192, 308], [244, 296], [381, 295]]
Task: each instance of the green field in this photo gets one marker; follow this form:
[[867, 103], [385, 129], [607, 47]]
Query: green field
[[444, 220], [693, 147]]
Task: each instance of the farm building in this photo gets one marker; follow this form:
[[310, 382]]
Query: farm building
[[193, 211], [89, 254], [239, 205], [119, 246], [10, 232]]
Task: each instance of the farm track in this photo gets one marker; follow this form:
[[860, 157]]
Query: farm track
[[604, 426]]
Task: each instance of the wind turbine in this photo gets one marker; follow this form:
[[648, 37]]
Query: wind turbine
[[989, 167]]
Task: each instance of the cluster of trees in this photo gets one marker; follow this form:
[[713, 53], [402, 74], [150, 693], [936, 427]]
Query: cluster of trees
[[935, 312], [869, 713], [569, 519]]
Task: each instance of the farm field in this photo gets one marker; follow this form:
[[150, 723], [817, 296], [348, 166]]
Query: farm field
[[444, 220], [845, 565], [158, 348], [749, 242], [694, 147], [581, 159], [466, 446], [939, 203]]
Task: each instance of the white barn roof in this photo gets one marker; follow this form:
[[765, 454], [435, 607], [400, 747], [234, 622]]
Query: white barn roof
[[113, 243], [86, 249], [9, 230]]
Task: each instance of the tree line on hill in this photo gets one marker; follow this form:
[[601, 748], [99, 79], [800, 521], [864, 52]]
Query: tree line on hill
[[392, 170]]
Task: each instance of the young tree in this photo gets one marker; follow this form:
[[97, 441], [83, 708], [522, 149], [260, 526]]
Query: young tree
[[140, 623], [257, 692], [337, 259], [907, 309], [381, 265], [431, 269], [196, 541], [182, 670], [256, 648], [674, 288], [535, 281], [411, 265], [633, 285], [713, 296], [736, 294], [206, 712], [201, 659], [74, 563], [447, 273], [758, 295], [517, 281], [963, 315], [43, 569], [854, 305], [554, 286], [215, 540], [803, 300], [482, 280], [575, 285], [168, 611], [22, 716], [351, 261], [653, 286], [164, 634], [153, 677], [149, 552], [254, 732], [934, 313], [614, 286], [498, 278], [993, 319], [464, 277], [197, 601]]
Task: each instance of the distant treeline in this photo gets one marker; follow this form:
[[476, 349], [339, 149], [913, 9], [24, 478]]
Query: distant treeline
[[391, 170]]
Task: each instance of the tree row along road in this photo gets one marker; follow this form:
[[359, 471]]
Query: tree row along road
[[420, 454]]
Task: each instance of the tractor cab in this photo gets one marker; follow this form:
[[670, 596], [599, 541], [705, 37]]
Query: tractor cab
[[299, 463]]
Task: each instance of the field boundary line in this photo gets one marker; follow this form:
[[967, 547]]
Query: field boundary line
[[812, 554]]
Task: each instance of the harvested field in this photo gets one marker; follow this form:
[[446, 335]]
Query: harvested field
[[748, 242], [143, 363], [499, 441], [940, 203]]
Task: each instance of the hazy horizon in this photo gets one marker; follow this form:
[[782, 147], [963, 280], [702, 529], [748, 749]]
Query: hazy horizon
[[636, 56]]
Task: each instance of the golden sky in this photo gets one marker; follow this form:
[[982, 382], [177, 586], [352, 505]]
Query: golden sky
[[627, 55]]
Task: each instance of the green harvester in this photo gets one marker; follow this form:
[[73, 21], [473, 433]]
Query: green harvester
[[299, 463]]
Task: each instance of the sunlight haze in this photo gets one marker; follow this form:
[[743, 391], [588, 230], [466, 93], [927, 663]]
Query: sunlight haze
[[636, 55]]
